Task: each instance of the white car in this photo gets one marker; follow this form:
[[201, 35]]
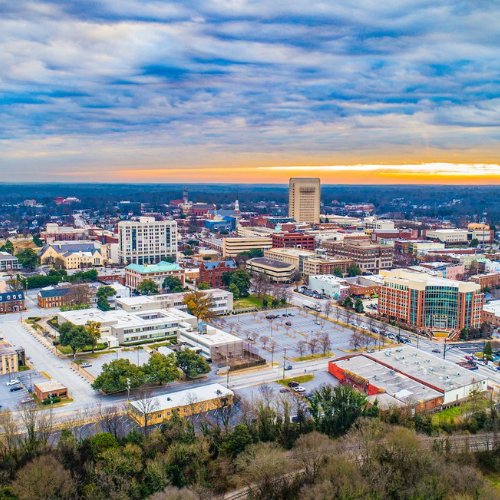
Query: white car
[[299, 389], [14, 381]]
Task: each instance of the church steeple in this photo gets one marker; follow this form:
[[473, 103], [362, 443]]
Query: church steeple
[[237, 205]]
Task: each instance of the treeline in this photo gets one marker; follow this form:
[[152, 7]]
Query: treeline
[[55, 276], [346, 452]]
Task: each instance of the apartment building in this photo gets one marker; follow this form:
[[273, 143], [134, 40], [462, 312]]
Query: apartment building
[[137, 273], [146, 241], [315, 265], [370, 257], [231, 247], [304, 199], [425, 301]]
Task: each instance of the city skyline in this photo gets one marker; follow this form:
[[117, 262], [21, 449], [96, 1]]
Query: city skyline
[[249, 92]]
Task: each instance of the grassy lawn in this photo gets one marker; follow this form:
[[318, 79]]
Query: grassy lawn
[[309, 358], [251, 301], [454, 413], [300, 380]]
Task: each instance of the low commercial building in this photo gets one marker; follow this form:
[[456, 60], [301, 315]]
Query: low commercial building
[[121, 327], [325, 265], [137, 273], [490, 280], [8, 262], [183, 403], [365, 286], [276, 271], [52, 388], [425, 301], [11, 302], [212, 343], [369, 257], [211, 272], [331, 286], [231, 247], [408, 376], [491, 312], [222, 302], [448, 236], [11, 358]]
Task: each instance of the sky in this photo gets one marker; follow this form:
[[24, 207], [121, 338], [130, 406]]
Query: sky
[[365, 91]]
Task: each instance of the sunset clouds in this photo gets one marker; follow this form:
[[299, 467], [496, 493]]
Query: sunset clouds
[[97, 91]]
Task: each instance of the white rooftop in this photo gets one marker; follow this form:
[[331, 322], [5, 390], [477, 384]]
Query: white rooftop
[[185, 397], [213, 336]]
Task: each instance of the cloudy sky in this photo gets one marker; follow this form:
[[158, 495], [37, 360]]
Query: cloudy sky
[[250, 91]]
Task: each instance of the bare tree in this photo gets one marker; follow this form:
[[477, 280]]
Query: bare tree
[[146, 405], [260, 283], [110, 419], [301, 347], [313, 345], [328, 308], [324, 341], [264, 339], [78, 295], [356, 340], [9, 432], [312, 451]]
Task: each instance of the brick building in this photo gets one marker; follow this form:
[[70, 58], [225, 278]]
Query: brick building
[[211, 272], [53, 297], [11, 302], [137, 273], [293, 240]]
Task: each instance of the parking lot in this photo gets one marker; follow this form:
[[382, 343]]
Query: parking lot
[[303, 326], [11, 399]]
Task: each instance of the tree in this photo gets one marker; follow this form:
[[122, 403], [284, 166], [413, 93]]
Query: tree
[[358, 306], [103, 293], [313, 345], [8, 247], [337, 271], [199, 304], [115, 375], [203, 286], [335, 409], [173, 284], [147, 287], [42, 479], [260, 283], [161, 369], [488, 351], [242, 280], [264, 339], [301, 347], [348, 304], [235, 291], [37, 241], [324, 341], [226, 278], [474, 243], [59, 263], [78, 295], [356, 340], [237, 441], [192, 364], [94, 330], [354, 270], [328, 308], [76, 336], [28, 258]]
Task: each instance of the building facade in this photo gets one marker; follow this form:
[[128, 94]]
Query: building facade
[[304, 195], [11, 358], [8, 262], [211, 272], [369, 257], [231, 247], [146, 241], [425, 301], [293, 240], [11, 302], [137, 273], [276, 271], [53, 297]]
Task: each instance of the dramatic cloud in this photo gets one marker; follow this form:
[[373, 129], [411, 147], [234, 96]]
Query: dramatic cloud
[[104, 90]]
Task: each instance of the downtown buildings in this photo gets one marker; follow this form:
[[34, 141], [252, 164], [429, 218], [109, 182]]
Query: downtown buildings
[[304, 199], [428, 302]]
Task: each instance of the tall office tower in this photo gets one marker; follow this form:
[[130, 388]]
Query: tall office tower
[[304, 199], [146, 241]]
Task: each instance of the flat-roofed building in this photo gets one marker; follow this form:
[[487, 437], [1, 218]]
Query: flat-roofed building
[[294, 256], [304, 195], [8, 262], [369, 257], [416, 377], [231, 247], [146, 241], [276, 271], [448, 236], [331, 286], [52, 388], [11, 358], [293, 240], [183, 403], [212, 342], [325, 265], [222, 301], [425, 301], [491, 312], [137, 273]]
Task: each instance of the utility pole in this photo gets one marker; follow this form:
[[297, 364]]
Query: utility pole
[[284, 358], [128, 390]]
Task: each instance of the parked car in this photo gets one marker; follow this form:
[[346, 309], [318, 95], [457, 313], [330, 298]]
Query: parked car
[[284, 390], [317, 323], [436, 350], [375, 330], [27, 399], [293, 384], [299, 388], [15, 388], [288, 323], [370, 350], [288, 367], [86, 365], [14, 381]]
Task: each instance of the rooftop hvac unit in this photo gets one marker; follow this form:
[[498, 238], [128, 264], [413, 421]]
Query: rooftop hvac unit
[[443, 367], [416, 362], [458, 374]]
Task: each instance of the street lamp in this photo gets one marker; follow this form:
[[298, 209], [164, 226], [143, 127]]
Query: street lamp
[[128, 390]]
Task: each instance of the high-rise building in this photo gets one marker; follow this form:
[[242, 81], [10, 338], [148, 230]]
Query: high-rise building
[[304, 199], [146, 241]]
